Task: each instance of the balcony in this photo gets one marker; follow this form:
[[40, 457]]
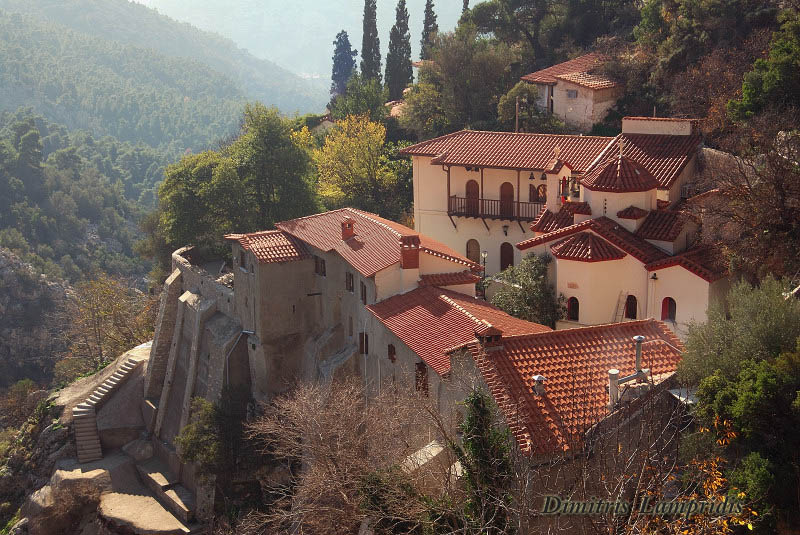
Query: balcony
[[493, 209]]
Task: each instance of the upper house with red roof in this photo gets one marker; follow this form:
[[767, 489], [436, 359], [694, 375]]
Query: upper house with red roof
[[576, 90]]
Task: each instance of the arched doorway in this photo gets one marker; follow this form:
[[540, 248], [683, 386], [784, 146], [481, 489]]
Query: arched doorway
[[474, 251], [631, 306], [473, 196], [668, 309], [506, 255], [573, 309], [507, 200]]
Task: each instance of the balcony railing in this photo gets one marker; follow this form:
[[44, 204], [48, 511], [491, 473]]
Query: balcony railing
[[494, 208]]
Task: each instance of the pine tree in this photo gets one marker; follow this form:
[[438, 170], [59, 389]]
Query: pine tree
[[370, 44], [344, 63], [398, 58], [429, 30]]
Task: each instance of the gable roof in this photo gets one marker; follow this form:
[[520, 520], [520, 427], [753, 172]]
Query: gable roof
[[704, 261], [619, 175], [549, 221], [663, 225], [586, 247], [664, 156], [431, 320], [449, 279], [375, 245], [575, 364], [510, 150], [271, 246], [610, 230], [580, 65], [632, 212]]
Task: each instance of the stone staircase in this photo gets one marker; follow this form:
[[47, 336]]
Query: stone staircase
[[167, 489], [84, 415]]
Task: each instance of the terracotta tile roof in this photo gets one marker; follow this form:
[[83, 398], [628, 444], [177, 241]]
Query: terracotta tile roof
[[548, 221], [581, 64], [608, 229], [632, 212], [271, 246], [375, 245], [432, 320], [575, 364], [588, 80], [620, 174], [662, 204], [509, 150], [664, 156], [704, 261], [449, 279], [572, 207], [586, 247], [664, 225]]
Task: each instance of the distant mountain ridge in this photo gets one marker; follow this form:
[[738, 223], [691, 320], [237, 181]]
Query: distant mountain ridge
[[134, 24]]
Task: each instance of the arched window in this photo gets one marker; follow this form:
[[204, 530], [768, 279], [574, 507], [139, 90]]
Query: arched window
[[506, 200], [506, 255], [668, 309], [474, 251], [573, 309], [631, 305], [542, 193]]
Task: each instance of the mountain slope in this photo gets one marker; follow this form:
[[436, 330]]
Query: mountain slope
[[133, 24]]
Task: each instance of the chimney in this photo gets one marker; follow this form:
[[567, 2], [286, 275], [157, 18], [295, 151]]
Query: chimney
[[409, 252], [489, 336], [638, 339], [639, 375], [348, 228], [613, 388]]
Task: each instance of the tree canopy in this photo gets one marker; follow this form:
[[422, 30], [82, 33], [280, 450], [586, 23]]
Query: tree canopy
[[344, 63], [523, 291], [398, 59], [429, 31]]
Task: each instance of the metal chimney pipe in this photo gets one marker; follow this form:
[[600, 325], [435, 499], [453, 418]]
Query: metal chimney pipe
[[638, 339], [613, 387]]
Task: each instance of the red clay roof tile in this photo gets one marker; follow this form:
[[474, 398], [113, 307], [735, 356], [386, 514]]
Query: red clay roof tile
[[632, 212], [575, 364], [375, 245], [573, 207], [618, 175], [431, 320], [586, 247], [664, 225], [704, 261], [588, 80], [509, 150], [581, 64], [449, 279], [271, 246], [548, 221]]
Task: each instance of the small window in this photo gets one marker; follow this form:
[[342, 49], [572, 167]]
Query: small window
[[242, 260], [391, 353], [348, 282], [506, 256], [363, 343], [421, 378], [474, 250], [668, 309], [572, 93], [319, 266], [573, 309], [363, 293], [350, 327], [631, 306]]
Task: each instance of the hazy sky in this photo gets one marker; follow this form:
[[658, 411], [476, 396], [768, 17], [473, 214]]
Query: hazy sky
[[299, 34]]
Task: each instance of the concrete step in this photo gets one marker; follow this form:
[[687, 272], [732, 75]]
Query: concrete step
[[83, 433], [167, 489], [181, 502], [156, 475], [89, 458], [85, 426]]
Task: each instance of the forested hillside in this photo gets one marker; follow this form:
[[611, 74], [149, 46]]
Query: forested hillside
[[133, 24]]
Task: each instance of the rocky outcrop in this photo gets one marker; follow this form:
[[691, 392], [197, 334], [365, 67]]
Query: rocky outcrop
[[29, 342]]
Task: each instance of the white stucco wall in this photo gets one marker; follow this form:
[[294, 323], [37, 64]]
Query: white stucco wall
[[691, 295], [608, 204], [647, 125]]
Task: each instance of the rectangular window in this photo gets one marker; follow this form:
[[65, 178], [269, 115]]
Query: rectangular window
[[572, 93], [242, 261], [348, 282], [363, 343], [363, 293], [319, 266], [391, 352], [421, 377]]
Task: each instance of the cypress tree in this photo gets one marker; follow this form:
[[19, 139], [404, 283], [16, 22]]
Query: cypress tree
[[398, 58], [344, 63], [370, 44], [429, 30], [465, 7]]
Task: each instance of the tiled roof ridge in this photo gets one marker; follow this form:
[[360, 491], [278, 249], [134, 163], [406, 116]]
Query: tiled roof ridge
[[478, 322], [499, 133], [595, 327], [632, 212], [450, 278], [591, 248], [685, 259], [615, 168]]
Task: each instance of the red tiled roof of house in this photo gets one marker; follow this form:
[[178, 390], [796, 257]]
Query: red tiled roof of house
[[432, 320], [704, 261], [588, 80], [586, 247], [271, 246], [608, 229], [619, 175], [581, 64], [632, 212], [510, 150], [449, 279], [549, 221], [573, 208], [662, 204], [663, 225], [575, 364], [375, 245], [664, 156]]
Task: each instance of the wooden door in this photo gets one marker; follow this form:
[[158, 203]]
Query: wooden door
[[473, 196], [507, 200]]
